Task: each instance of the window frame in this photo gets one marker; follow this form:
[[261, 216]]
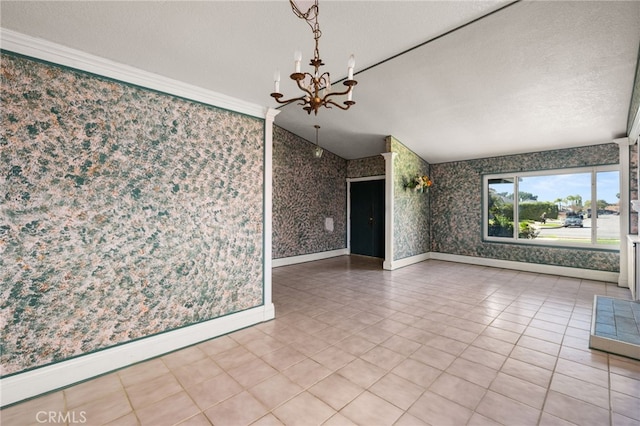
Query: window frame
[[515, 175]]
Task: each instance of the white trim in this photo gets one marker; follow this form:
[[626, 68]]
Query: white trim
[[270, 115], [48, 378], [51, 52], [634, 133], [623, 145], [586, 274], [389, 206], [284, 261], [401, 263], [349, 180]]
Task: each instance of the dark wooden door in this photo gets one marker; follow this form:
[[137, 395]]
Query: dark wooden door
[[367, 218]]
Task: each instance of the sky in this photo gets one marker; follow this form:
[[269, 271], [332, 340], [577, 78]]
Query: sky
[[552, 187]]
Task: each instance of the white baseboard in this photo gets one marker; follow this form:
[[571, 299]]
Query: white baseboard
[[284, 261], [48, 378], [400, 263], [587, 274]]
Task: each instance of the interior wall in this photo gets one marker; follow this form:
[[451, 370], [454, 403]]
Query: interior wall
[[411, 234], [125, 213], [306, 191], [456, 207], [365, 167]]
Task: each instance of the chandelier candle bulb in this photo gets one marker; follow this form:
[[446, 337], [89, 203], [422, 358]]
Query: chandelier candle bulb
[[276, 81], [297, 56], [350, 65]]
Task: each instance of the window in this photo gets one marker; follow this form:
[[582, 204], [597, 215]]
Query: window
[[568, 207]]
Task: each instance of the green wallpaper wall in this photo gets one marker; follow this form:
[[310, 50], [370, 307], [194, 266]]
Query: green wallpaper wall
[[412, 234], [456, 207], [123, 213]]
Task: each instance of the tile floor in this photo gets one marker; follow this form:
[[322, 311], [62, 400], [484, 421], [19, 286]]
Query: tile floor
[[435, 343]]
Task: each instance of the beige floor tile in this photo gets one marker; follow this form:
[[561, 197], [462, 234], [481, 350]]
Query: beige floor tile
[[458, 390], [417, 372], [132, 420], [397, 390], [506, 410], [336, 391], [369, 409], [583, 372], [401, 345], [94, 389], [494, 345], [196, 372], [339, 420], [306, 373], [588, 357], [534, 357], [454, 347], [268, 420], [383, 357], [620, 420], [214, 390], [547, 419], [106, 409], [304, 410], [283, 358], [625, 385], [483, 356], [355, 345], [169, 411], [241, 409], [436, 410], [152, 391], [578, 389], [624, 367], [333, 358], [183, 357], [362, 373], [31, 412], [525, 371], [198, 420], [625, 405], [409, 420], [480, 420], [234, 357], [252, 372], [142, 372], [433, 357], [275, 391], [501, 334], [218, 345], [520, 390], [473, 372], [574, 410], [539, 345]]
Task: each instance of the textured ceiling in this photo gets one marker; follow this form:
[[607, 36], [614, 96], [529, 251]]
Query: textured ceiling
[[479, 78]]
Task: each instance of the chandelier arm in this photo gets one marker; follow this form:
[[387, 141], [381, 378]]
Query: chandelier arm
[[288, 101], [301, 87], [329, 101]]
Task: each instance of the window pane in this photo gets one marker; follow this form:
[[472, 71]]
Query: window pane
[[500, 204], [608, 209], [552, 208]]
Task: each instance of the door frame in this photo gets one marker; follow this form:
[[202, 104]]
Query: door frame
[[361, 179]]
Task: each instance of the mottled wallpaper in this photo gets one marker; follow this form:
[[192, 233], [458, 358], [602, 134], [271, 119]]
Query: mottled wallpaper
[[306, 190], [364, 167], [633, 187], [123, 213], [411, 209], [456, 207]]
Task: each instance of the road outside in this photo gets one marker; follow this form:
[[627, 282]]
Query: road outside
[[608, 229]]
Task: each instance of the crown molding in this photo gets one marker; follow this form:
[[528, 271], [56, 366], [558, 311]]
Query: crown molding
[[51, 52]]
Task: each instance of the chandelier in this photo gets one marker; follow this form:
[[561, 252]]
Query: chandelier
[[316, 86]]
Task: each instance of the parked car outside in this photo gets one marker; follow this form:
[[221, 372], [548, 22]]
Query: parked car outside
[[575, 220]]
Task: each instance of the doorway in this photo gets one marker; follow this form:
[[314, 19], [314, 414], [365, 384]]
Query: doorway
[[367, 218]]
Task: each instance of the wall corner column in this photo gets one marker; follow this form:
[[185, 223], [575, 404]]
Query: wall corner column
[[389, 206], [623, 145], [269, 309]]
